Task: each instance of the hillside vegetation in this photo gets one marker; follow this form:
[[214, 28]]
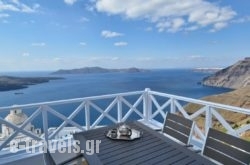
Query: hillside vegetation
[[239, 98]]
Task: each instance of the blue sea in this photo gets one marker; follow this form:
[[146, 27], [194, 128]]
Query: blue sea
[[183, 82]]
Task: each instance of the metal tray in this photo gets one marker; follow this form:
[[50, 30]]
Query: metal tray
[[134, 135]]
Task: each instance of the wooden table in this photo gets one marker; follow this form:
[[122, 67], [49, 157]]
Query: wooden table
[[152, 148]]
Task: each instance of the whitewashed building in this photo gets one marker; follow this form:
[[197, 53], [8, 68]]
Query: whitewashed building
[[17, 117]]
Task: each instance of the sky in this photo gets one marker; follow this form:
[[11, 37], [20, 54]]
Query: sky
[[66, 34]]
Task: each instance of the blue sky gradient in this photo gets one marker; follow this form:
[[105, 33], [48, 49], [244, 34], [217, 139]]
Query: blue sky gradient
[[49, 35]]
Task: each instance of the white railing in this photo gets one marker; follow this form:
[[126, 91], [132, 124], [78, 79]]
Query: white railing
[[149, 107], [208, 110]]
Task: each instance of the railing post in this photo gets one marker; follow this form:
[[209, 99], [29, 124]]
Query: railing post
[[119, 108], [87, 115], [173, 107], [45, 125], [208, 121], [147, 105]]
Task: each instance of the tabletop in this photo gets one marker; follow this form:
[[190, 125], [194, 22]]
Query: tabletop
[[152, 148]]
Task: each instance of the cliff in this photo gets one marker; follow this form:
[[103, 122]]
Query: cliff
[[235, 76], [89, 70]]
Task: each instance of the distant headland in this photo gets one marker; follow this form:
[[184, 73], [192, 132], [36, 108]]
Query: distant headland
[[207, 70], [8, 83], [89, 70]]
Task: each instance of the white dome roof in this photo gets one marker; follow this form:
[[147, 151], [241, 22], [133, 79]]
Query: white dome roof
[[16, 118]]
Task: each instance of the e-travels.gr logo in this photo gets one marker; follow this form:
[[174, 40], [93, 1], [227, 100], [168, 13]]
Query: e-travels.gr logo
[[62, 146]]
